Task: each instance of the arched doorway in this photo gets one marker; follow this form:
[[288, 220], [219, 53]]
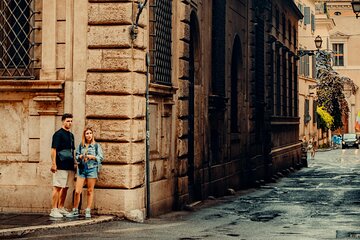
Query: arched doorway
[[238, 106]]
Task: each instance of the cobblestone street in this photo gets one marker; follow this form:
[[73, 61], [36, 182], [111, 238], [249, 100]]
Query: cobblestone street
[[318, 202]]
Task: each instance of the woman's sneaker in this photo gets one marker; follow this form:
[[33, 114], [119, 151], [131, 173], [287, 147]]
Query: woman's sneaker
[[73, 213], [87, 213], [55, 213], [63, 211]]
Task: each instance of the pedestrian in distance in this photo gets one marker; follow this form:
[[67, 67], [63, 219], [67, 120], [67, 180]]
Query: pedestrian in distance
[[62, 167], [313, 149], [89, 156]]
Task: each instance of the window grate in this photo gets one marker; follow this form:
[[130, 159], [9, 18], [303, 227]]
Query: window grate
[[17, 39], [160, 41]]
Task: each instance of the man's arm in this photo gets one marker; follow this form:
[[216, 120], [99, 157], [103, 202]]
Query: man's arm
[[53, 160]]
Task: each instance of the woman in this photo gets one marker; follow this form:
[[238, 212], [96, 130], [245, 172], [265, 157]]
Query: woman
[[89, 156]]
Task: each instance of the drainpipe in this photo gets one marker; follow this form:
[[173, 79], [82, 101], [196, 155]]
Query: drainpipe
[[147, 148]]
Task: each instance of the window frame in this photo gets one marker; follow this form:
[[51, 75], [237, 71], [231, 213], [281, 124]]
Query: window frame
[[17, 25]]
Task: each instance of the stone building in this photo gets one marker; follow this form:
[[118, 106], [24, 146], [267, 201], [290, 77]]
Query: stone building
[[223, 97], [344, 42]]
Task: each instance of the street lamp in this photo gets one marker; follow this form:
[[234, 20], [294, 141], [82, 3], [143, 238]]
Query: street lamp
[[318, 42], [356, 7]]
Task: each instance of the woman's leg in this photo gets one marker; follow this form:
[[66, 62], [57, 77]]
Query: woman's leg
[[90, 191], [78, 189]]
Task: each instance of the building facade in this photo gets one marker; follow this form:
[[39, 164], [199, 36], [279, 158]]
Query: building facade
[[222, 109], [316, 22], [344, 42]]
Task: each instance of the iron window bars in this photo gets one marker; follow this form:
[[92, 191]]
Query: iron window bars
[[160, 41], [17, 39]]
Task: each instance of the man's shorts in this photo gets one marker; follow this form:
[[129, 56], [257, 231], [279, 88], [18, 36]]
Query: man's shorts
[[63, 178]]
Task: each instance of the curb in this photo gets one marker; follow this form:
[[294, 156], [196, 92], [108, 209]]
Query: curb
[[21, 231]]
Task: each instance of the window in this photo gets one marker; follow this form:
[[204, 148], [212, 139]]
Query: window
[[312, 22], [16, 39], [338, 49], [307, 19], [160, 41]]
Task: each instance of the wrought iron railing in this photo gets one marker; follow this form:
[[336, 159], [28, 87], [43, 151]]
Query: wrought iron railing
[[17, 39], [160, 41]]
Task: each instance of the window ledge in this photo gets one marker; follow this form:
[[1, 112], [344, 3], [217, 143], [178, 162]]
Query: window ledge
[[30, 85], [164, 90]]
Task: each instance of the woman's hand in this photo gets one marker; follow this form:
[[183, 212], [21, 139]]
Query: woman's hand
[[91, 157]]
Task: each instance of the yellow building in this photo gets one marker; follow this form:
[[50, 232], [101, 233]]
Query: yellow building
[[344, 41]]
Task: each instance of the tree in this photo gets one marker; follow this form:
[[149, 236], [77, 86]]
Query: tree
[[330, 91]]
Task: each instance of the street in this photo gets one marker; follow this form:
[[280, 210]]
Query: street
[[318, 202]]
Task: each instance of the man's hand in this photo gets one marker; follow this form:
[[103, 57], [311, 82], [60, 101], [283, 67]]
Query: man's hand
[[53, 168]]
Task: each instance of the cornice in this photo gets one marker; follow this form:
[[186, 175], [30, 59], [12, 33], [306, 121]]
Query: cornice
[[31, 85]]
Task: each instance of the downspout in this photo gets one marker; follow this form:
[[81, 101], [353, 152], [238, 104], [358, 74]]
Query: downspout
[[147, 148]]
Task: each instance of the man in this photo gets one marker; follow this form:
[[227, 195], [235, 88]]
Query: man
[[62, 167]]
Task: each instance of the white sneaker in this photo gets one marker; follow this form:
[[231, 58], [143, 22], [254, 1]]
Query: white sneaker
[[55, 213], [74, 213], [63, 211], [87, 213]]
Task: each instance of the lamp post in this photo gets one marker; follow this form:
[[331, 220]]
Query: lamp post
[[318, 42], [356, 7]]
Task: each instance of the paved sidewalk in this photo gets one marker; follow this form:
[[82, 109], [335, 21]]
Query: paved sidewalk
[[17, 224]]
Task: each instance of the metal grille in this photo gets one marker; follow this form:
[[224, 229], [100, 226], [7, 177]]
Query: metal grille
[[160, 41], [16, 39]]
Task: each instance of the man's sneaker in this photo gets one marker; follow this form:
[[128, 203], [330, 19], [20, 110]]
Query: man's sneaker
[[63, 211], [55, 213], [87, 213], [73, 213]]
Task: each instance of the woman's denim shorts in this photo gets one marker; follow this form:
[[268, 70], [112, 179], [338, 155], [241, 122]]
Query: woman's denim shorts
[[88, 171]]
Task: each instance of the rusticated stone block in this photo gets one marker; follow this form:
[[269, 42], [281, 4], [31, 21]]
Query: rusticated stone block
[[182, 128], [182, 147], [110, 13], [109, 36], [128, 153], [121, 176], [116, 59], [118, 130], [115, 106], [184, 12], [183, 88], [183, 69], [124, 83], [184, 31], [183, 108], [121, 200]]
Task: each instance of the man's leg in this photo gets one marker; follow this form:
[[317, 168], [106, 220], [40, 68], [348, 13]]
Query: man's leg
[[55, 197], [62, 197]]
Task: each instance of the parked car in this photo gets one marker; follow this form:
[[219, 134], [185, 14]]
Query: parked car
[[350, 140]]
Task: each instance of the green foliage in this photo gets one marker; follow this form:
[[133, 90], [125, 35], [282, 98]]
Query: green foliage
[[330, 90]]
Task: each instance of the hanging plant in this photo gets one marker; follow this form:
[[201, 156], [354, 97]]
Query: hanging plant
[[330, 89]]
